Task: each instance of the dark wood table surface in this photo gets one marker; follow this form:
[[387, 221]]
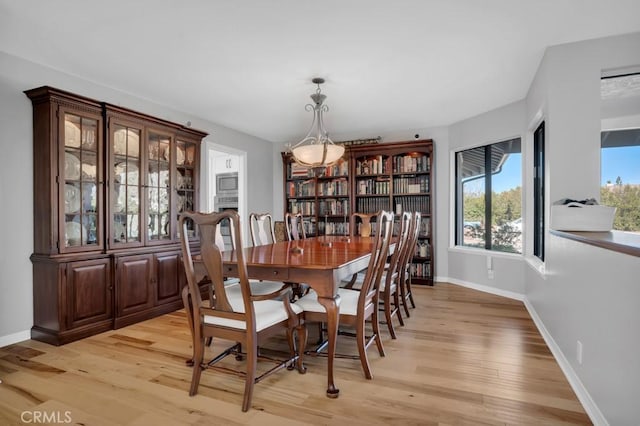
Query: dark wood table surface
[[320, 262]]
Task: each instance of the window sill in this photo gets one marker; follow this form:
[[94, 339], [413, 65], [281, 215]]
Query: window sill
[[484, 252], [537, 265], [618, 241]]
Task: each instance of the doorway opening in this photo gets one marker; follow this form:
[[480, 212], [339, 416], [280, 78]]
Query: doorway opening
[[224, 183]]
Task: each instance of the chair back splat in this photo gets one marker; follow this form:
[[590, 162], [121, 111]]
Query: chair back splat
[[375, 269], [295, 226], [262, 231], [235, 313]]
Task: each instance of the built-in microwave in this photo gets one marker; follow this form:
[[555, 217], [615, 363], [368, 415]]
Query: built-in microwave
[[227, 183]]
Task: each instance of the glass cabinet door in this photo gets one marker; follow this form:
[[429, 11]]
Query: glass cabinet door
[[185, 184], [80, 192], [158, 187], [126, 185]]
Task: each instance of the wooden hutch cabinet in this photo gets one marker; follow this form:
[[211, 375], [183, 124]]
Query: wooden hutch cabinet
[[391, 176], [109, 185]]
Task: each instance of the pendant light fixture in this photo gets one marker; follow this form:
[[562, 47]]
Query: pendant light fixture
[[317, 150]]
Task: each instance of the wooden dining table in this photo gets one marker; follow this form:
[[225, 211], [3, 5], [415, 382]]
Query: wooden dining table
[[321, 262]]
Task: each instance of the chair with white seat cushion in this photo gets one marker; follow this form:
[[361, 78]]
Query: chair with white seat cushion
[[236, 313], [262, 233], [389, 284], [356, 307]]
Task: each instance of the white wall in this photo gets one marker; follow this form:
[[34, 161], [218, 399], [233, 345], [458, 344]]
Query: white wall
[[16, 175], [588, 294], [468, 266], [591, 295]]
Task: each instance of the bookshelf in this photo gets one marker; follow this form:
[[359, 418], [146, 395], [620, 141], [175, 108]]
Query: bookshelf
[[394, 176]]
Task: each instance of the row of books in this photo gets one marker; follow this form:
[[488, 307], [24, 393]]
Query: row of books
[[333, 228], [413, 203], [421, 270], [371, 166], [301, 189], [334, 187], [374, 166], [307, 208], [373, 186], [309, 227], [333, 207], [408, 163], [295, 170], [341, 168], [411, 185], [372, 205]]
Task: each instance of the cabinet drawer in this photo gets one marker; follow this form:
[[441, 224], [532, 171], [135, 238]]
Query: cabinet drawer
[[259, 272]]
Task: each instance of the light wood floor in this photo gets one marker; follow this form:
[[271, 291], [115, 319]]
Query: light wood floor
[[464, 357]]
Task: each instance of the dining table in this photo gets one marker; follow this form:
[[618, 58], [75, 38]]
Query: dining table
[[320, 262]]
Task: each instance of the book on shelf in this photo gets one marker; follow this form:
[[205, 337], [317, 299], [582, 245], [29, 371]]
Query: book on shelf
[[298, 171], [410, 163]]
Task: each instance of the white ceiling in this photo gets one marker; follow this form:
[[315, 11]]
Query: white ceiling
[[389, 65]]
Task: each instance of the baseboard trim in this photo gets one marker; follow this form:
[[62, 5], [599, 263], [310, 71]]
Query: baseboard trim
[[10, 339], [484, 288], [583, 395]]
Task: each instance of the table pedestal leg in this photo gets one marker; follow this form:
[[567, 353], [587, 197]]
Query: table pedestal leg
[[332, 307]]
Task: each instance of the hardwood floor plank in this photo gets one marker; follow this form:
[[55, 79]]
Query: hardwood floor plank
[[463, 358]]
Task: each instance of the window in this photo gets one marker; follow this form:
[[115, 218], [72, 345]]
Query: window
[[620, 147], [538, 192], [489, 197], [620, 176]]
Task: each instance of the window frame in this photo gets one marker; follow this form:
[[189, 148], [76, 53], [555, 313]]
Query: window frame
[[458, 237], [539, 204]]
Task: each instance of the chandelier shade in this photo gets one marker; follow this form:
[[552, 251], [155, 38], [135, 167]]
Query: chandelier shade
[[316, 150]]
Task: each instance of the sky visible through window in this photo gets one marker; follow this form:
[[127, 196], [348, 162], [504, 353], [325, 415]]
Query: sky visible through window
[[510, 177], [620, 161]]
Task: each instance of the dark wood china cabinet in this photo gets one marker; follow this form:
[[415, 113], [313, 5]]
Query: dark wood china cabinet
[[109, 185]]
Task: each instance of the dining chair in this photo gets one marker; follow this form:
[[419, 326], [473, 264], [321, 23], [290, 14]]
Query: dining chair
[[361, 227], [295, 231], [356, 307], [295, 226], [404, 277], [262, 230], [257, 286], [236, 313], [262, 233], [389, 282]]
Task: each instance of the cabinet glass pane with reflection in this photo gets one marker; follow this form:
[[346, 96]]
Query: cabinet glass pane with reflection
[[125, 225], [80, 171], [158, 187]]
